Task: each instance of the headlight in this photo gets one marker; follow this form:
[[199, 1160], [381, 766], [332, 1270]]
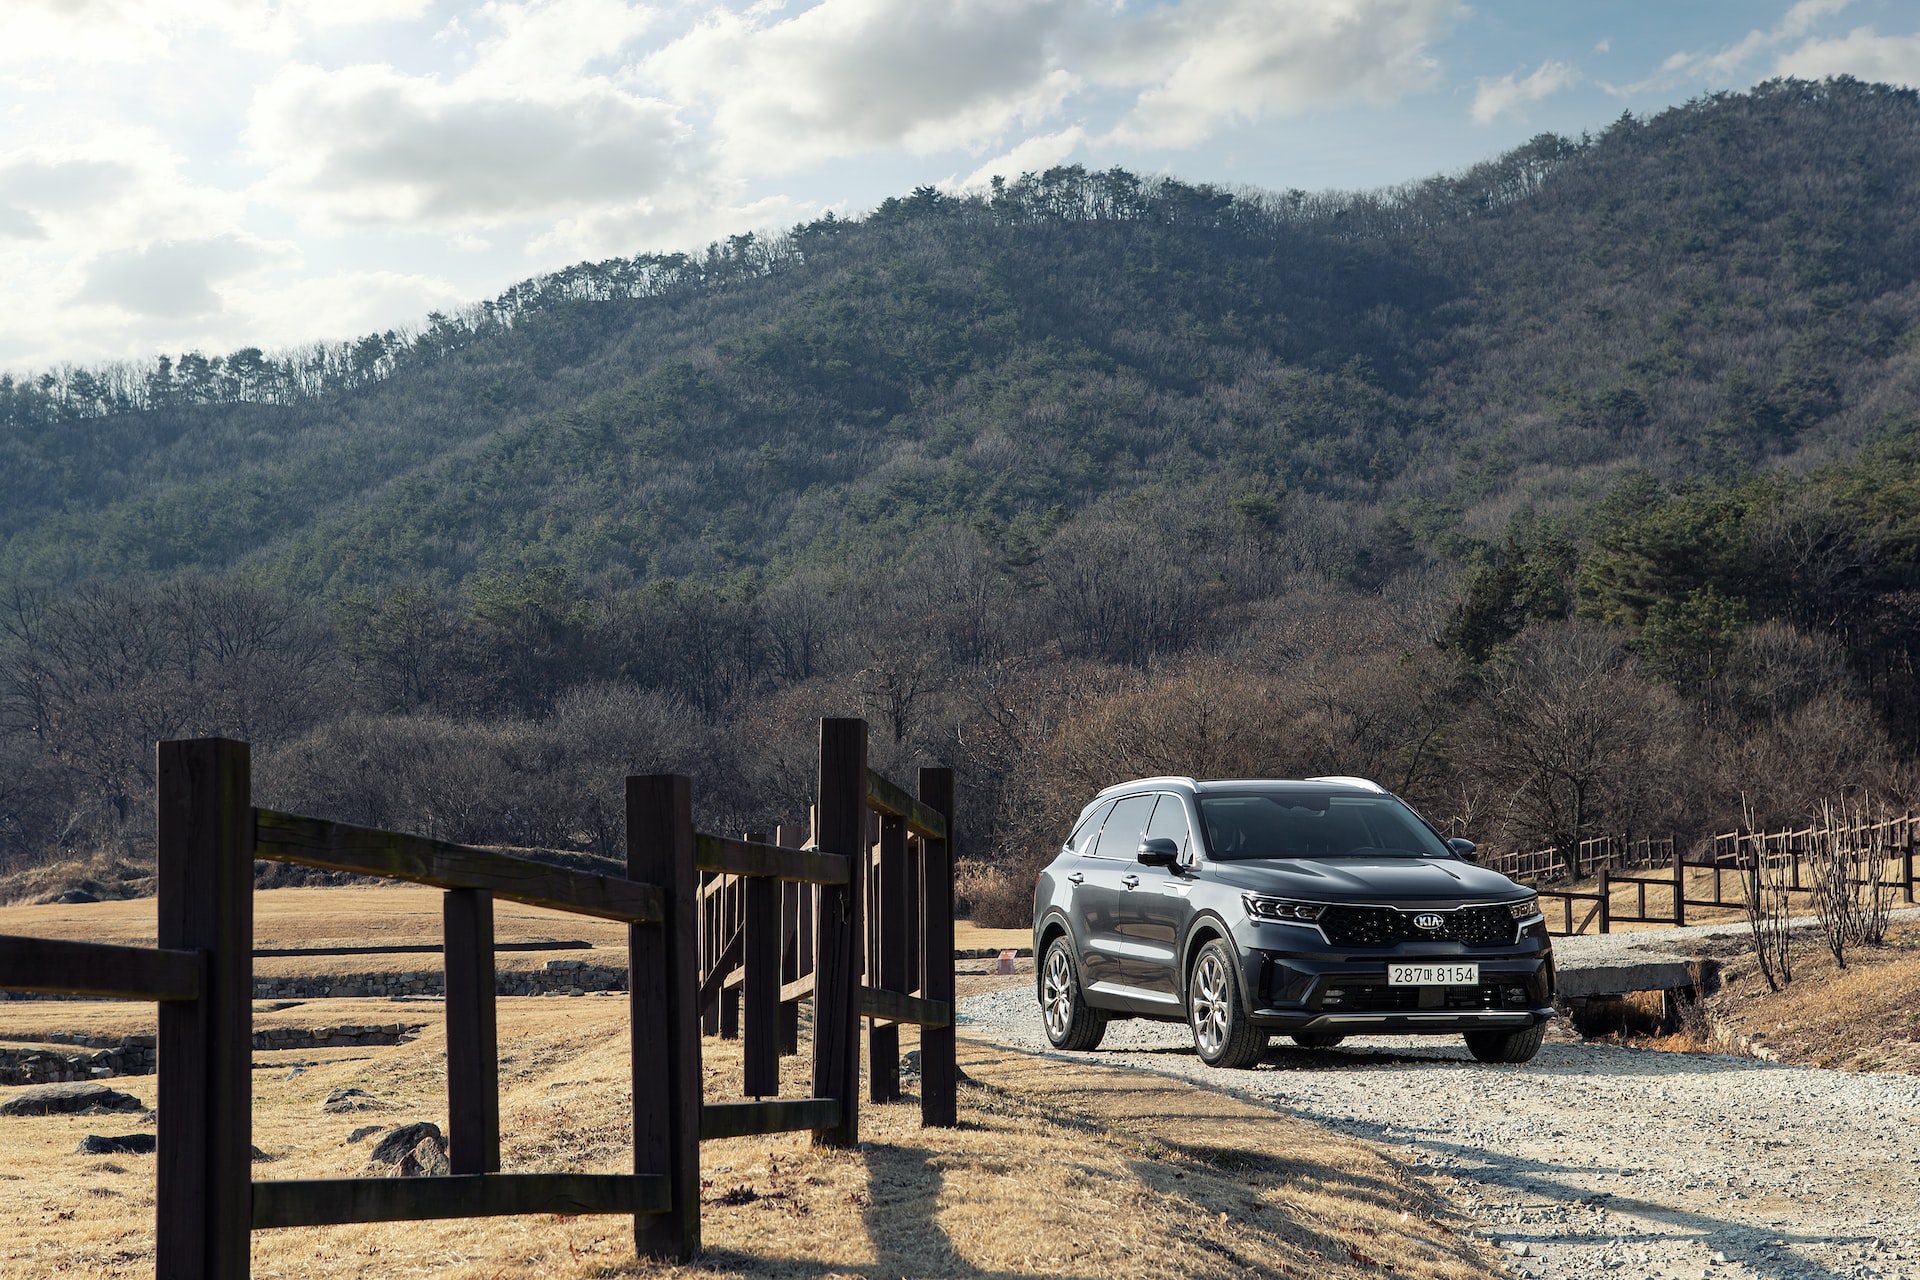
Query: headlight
[[1524, 908], [1281, 908]]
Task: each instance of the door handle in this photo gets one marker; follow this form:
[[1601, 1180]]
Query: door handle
[[1076, 878], [1132, 882]]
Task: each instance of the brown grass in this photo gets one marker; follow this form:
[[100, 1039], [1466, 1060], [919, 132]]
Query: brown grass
[[1056, 1170], [1863, 1018]]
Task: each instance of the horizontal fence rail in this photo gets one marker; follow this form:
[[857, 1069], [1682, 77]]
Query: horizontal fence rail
[[101, 970], [336, 846], [1724, 867]]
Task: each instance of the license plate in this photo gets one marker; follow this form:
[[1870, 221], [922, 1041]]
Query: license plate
[[1433, 975]]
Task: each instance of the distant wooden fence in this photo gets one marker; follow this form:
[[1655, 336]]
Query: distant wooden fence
[[201, 974], [1730, 863]]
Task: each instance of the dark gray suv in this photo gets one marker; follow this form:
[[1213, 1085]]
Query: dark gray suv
[[1323, 909]]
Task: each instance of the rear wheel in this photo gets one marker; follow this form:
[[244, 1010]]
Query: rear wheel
[[1217, 1011], [1316, 1039], [1506, 1046], [1070, 1023]]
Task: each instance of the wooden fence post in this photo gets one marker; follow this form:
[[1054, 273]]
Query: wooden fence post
[[1679, 886], [939, 1072], [890, 964], [473, 1044], [841, 816], [203, 827], [663, 977], [792, 955], [760, 981], [1606, 901], [1906, 859]]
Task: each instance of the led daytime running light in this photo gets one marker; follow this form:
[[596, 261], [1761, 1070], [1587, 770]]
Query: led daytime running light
[[1281, 908], [1525, 908]]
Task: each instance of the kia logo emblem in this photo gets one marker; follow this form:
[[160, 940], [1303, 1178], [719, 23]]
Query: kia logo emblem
[[1428, 920]]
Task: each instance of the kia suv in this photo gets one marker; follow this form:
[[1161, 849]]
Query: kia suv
[[1319, 909]]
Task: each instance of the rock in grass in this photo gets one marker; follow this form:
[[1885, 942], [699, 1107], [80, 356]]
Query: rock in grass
[[364, 1131], [68, 1098], [343, 1101], [131, 1144], [412, 1151]]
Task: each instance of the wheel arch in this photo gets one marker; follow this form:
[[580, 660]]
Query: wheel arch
[[1053, 925], [1204, 929]]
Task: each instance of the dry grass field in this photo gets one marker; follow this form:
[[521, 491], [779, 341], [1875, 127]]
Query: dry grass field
[[1056, 1169], [1865, 1017]]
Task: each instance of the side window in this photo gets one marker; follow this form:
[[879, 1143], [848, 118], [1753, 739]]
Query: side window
[[1170, 821], [1120, 835], [1081, 840]]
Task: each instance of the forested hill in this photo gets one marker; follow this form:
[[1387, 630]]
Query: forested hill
[[1728, 283], [1574, 493]]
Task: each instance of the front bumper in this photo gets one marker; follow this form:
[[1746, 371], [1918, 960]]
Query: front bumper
[[1317, 989]]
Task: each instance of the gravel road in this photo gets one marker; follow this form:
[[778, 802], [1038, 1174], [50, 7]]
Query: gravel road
[[1595, 1160]]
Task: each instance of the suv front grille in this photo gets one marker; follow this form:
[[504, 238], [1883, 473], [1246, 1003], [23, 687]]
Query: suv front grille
[[1389, 926]]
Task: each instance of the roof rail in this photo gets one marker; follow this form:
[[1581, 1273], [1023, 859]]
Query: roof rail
[[1141, 782], [1365, 784]]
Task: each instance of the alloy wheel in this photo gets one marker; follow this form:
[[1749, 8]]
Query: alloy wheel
[[1212, 1004], [1057, 993]]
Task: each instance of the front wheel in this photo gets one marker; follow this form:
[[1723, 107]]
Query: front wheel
[[1217, 1011], [1071, 1024], [1506, 1046]]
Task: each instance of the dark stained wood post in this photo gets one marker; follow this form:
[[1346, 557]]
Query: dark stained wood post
[[1606, 901], [664, 977], [760, 985], [890, 967], [1679, 885], [791, 902], [473, 1044], [1906, 858], [730, 917], [710, 944], [842, 829], [939, 1071], [203, 826]]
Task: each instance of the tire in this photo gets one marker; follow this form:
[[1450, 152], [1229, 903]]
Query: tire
[[1217, 1011], [1506, 1046], [1316, 1039], [1070, 1023]]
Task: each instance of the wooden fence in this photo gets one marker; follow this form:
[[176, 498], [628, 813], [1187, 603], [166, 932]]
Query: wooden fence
[[208, 835], [1725, 867]]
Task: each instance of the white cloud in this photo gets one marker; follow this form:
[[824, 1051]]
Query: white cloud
[[172, 280], [1495, 98], [369, 146], [91, 32], [1207, 62], [276, 312], [548, 42], [847, 76], [1730, 65], [1033, 155], [1860, 53]]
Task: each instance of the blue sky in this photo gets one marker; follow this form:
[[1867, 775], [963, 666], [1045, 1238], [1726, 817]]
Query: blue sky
[[209, 174]]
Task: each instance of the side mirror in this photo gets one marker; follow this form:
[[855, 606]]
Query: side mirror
[[1159, 852], [1463, 847]]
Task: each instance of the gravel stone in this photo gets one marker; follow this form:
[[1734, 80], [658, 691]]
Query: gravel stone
[[1597, 1160]]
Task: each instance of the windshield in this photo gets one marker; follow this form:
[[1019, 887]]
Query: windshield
[[1305, 824]]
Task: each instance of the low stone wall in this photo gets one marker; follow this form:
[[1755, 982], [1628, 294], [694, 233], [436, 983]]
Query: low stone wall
[[334, 1037], [47, 1066], [559, 978], [136, 1055]]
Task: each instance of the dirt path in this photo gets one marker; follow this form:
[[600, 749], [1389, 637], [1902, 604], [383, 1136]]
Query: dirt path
[[1595, 1160]]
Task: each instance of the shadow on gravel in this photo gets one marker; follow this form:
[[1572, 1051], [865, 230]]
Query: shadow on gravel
[[1740, 1242]]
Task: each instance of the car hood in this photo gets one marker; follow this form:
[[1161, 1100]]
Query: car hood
[[1433, 880]]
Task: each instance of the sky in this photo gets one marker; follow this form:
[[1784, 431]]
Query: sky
[[212, 174]]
